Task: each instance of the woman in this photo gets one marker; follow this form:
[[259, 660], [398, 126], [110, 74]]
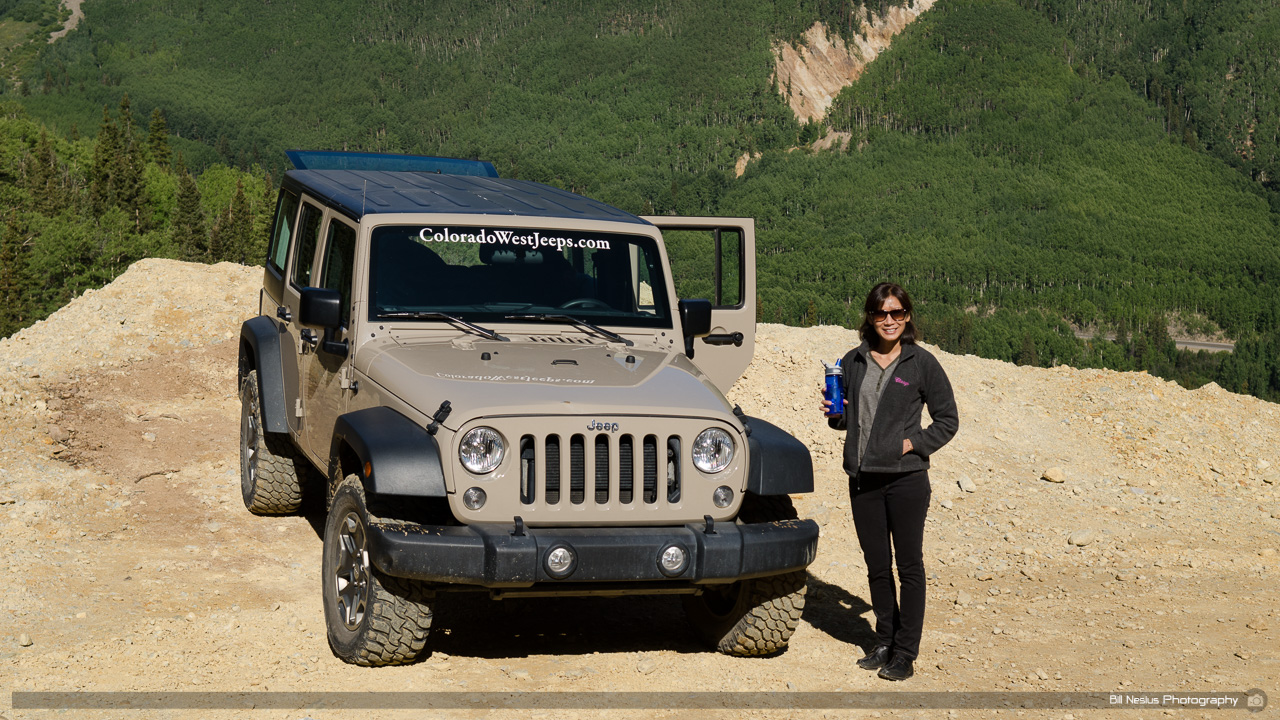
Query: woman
[[888, 379]]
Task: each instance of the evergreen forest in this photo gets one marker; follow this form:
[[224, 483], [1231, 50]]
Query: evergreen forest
[[1031, 170]]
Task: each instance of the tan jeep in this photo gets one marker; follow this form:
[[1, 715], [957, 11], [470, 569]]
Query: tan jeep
[[501, 392]]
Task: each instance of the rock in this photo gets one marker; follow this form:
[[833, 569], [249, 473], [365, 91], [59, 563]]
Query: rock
[[24, 640], [1258, 624], [1082, 537], [983, 575], [1040, 673], [967, 484], [997, 630], [1276, 515], [963, 598], [646, 667], [1054, 475], [946, 504], [58, 435], [1263, 464], [520, 675], [149, 437]]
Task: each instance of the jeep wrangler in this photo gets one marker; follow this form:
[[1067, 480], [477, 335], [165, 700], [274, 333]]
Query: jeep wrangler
[[496, 384]]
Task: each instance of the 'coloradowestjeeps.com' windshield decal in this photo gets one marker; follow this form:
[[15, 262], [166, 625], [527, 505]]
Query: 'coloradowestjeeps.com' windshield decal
[[481, 236]]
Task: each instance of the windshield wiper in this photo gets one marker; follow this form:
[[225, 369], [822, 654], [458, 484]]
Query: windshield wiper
[[548, 317], [428, 315]]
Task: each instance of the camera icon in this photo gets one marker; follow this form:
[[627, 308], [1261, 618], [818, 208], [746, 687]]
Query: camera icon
[[1255, 700]]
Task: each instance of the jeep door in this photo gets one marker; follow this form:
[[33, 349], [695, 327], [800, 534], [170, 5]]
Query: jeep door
[[324, 396], [715, 258], [302, 269]]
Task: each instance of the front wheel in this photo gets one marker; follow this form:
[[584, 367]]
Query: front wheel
[[372, 619], [755, 616]]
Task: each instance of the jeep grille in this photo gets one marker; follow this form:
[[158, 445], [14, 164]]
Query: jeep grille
[[543, 474], [559, 471]]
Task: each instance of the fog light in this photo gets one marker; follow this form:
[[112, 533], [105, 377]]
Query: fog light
[[723, 496], [560, 562], [673, 560], [473, 498]]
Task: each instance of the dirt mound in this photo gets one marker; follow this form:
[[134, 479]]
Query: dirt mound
[[1090, 530]]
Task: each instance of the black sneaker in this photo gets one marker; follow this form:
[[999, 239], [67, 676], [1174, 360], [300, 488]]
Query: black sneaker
[[876, 659], [899, 668]]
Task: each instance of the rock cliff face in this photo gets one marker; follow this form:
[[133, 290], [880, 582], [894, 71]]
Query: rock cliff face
[[1088, 530], [812, 73]]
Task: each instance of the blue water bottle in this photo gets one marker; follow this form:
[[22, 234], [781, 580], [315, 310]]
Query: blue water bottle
[[834, 392]]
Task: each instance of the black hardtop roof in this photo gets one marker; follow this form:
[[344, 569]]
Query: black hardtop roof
[[357, 193]]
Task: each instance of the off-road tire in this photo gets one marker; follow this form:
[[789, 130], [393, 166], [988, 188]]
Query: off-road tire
[[756, 616], [393, 615], [272, 470]]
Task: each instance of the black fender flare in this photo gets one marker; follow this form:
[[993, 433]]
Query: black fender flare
[[405, 459], [779, 463], [260, 338]]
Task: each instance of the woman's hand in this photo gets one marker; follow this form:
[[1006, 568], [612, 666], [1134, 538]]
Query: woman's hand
[[826, 407], [906, 446]]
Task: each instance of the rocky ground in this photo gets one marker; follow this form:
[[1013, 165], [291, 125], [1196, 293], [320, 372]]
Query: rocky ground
[[1090, 531]]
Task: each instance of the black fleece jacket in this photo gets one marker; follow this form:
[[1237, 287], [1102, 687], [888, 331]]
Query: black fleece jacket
[[918, 381]]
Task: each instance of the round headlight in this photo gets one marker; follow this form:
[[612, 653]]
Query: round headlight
[[712, 450], [481, 450]]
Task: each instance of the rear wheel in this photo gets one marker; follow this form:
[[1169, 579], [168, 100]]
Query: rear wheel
[[755, 616], [271, 469], [372, 619]]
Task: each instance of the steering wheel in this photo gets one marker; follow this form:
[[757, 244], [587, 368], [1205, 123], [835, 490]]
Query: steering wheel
[[586, 303]]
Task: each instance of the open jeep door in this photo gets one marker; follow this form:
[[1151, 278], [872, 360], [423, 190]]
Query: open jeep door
[[715, 258]]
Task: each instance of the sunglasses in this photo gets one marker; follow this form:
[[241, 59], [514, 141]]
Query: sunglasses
[[880, 315]]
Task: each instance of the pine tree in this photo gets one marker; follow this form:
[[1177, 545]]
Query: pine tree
[[126, 176], [41, 177], [14, 280], [189, 234], [240, 228], [101, 188], [158, 139]]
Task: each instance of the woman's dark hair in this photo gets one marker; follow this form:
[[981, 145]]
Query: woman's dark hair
[[875, 300]]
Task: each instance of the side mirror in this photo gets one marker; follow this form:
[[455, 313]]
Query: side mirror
[[320, 308], [695, 321]]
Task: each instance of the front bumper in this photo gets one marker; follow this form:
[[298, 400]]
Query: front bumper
[[493, 556]]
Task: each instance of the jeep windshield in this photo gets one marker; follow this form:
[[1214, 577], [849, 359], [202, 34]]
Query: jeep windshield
[[495, 274]]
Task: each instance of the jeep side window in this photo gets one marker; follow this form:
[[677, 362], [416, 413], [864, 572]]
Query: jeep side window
[[286, 214], [308, 237], [339, 257], [706, 263]]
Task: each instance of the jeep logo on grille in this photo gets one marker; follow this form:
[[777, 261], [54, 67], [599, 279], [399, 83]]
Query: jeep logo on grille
[[603, 426]]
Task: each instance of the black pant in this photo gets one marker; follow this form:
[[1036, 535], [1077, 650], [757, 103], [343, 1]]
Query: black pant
[[890, 508]]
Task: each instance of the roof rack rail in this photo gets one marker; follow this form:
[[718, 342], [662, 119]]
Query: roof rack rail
[[385, 162]]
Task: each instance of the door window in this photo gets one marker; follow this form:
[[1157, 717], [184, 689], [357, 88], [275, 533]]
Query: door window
[[308, 239], [706, 263], [339, 256], [286, 214]]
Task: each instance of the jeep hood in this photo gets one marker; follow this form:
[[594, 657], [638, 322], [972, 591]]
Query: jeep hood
[[529, 378]]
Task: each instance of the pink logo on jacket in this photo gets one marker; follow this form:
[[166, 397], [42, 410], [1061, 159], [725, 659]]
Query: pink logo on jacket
[[900, 380]]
